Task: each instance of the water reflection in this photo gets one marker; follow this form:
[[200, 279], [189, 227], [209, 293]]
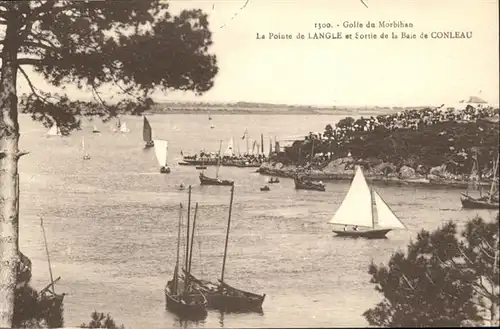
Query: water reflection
[[222, 315], [184, 323]]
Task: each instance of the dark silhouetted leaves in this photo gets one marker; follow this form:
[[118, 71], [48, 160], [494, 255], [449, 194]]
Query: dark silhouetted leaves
[[439, 280]]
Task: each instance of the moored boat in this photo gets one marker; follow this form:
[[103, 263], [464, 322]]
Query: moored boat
[[485, 202], [205, 180], [182, 297], [222, 296], [356, 211], [265, 188], [304, 184], [489, 201]]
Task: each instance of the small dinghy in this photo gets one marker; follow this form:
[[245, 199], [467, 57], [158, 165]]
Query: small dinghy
[[265, 188]]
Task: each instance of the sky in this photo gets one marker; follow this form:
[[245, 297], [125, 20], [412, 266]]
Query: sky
[[383, 72]]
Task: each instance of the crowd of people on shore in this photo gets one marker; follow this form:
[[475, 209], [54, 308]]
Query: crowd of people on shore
[[413, 119], [210, 157]]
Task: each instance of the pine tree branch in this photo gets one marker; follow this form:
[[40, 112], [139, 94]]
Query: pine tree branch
[[32, 87], [29, 61]]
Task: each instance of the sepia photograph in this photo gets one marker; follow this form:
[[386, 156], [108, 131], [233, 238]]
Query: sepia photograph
[[249, 164]]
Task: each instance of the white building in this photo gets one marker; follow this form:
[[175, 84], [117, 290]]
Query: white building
[[473, 101]]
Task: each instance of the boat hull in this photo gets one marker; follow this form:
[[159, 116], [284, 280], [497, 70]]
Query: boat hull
[[370, 234], [204, 180], [226, 298], [300, 185], [149, 144], [192, 305], [165, 170], [473, 203]]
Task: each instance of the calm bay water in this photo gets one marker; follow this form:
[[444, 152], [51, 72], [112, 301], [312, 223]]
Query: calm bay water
[[111, 225]]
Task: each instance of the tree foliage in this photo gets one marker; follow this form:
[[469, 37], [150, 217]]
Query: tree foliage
[[135, 45], [443, 280], [100, 320], [138, 46], [32, 309]]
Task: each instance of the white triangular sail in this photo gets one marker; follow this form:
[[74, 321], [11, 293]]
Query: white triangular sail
[[356, 209], [124, 128], [230, 148], [385, 216], [54, 130], [85, 153], [95, 129], [161, 151]]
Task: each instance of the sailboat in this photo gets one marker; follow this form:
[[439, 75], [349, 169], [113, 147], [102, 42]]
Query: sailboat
[[95, 130], [161, 151], [86, 155], [49, 292], [124, 128], [357, 210], [490, 201], [223, 296], [215, 181], [147, 134], [181, 297], [54, 130]]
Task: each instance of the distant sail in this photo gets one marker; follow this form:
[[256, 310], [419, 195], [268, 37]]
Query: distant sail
[[95, 130], [161, 151], [54, 130], [356, 209], [147, 131], [124, 128], [86, 155], [385, 216], [230, 148]]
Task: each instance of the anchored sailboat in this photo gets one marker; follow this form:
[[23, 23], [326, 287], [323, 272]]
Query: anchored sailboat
[[223, 296], [95, 130], [49, 292], [215, 181], [161, 151], [181, 297], [86, 155], [357, 210], [54, 130], [491, 200], [147, 134]]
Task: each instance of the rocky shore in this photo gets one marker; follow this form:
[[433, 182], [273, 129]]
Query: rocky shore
[[386, 173]]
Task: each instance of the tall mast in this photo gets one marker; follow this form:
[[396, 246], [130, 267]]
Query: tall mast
[[192, 238], [187, 239], [312, 150], [262, 143], [247, 143], [227, 234], [48, 256], [176, 276], [495, 168], [218, 161]]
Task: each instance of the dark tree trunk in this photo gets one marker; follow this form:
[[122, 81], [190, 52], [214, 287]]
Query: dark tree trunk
[[9, 155]]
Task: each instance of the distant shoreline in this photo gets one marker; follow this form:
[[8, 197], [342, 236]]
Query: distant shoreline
[[243, 108], [209, 111]]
